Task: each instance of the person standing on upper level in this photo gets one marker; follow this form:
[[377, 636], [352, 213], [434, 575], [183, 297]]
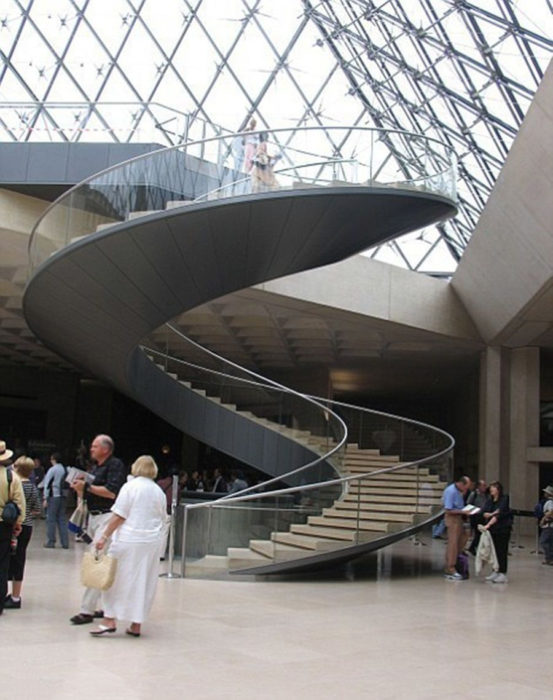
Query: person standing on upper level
[[251, 141], [109, 476]]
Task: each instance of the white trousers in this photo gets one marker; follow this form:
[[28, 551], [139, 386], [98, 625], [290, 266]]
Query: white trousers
[[91, 596]]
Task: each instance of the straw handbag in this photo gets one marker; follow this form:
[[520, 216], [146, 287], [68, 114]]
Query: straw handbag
[[98, 570]]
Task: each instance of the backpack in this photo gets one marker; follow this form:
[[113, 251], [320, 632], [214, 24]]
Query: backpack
[[538, 509], [462, 565], [11, 510], [64, 485]]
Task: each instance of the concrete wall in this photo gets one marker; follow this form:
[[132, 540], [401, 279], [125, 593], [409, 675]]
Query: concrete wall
[[505, 278], [364, 286]]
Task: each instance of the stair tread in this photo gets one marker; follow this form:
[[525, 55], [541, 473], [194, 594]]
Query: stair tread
[[320, 544], [245, 553], [367, 515], [378, 498], [379, 507], [327, 532], [347, 523]]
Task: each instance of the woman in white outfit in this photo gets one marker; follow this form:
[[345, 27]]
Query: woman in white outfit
[[138, 529]]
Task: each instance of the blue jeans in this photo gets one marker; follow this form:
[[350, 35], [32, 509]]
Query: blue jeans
[[546, 541], [55, 515]]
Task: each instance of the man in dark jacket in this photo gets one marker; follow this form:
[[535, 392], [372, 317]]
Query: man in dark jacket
[[109, 474]]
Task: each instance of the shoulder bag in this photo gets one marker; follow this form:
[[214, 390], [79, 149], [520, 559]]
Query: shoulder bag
[[11, 510], [98, 570]]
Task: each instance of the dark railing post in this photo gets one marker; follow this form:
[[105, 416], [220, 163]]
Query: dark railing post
[[172, 525], [183, 543]]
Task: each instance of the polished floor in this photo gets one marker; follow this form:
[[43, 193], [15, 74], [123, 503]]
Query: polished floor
[[388, 627]]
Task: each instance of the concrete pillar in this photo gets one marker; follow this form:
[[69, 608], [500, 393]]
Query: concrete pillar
[[524, 426], [490, 447]]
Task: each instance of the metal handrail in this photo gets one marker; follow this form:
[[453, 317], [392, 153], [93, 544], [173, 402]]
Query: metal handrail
[[274, 385], [262, 385], [381, 132], [245, 494]]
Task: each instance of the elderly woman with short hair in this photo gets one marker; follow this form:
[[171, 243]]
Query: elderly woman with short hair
[[23, 467], [138, 528]]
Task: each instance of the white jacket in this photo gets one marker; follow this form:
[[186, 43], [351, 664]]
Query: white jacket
[[485, 554]]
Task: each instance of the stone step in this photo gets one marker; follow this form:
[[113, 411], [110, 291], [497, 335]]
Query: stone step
[[355, 446], [367, 515], [178, 203], [80, 238], [396, 476], [384, 480], [391, 498], [277, 551], [315, 544], [103, 227], [138, 214], [354, 487], [377, 459], [381, 507], [320, 521], [329, 533], [243, 556]]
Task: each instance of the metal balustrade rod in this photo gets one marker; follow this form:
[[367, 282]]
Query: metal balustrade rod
[[360, 481], [183, 548], [174, 501]]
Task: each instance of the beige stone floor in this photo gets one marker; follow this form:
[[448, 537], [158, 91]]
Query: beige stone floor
[[388, 627]]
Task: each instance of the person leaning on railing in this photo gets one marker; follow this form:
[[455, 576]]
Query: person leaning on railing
[[453, 502]]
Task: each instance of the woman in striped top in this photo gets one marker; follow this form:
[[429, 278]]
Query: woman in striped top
[[23, 467]]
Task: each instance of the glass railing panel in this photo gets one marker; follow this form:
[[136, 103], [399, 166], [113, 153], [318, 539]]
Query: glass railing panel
[[214, 168], [241, 164], [293, 415], [218, 529], [369, 503]]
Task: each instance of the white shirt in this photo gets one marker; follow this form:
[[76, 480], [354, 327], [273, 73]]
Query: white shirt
[[143, 505]]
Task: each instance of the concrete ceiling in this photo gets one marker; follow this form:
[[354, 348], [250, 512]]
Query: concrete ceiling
[[266, 332], [281, 336]]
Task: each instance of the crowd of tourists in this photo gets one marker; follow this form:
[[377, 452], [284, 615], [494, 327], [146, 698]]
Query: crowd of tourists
[[479, 521]]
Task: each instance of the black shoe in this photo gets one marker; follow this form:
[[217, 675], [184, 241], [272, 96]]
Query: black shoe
[[81, 619], [98, 613], [11, 603]]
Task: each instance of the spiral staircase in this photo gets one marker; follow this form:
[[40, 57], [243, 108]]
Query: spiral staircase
[[128, 250]]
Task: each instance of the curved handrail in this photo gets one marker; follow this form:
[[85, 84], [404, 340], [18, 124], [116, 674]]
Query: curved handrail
[[253, 497], [266, 382], [153, 178], [253, 492], [246, 494]]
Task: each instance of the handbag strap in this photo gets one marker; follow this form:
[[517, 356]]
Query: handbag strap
[[9, 477]]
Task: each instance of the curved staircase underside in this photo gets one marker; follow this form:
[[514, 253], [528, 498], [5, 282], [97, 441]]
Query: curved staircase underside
[[97, 298]]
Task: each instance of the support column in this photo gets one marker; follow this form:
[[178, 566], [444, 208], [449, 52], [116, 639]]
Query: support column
[[524, 426], [490, 442]]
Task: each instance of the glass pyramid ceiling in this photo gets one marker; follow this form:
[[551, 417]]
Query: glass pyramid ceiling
[[461, 71]]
